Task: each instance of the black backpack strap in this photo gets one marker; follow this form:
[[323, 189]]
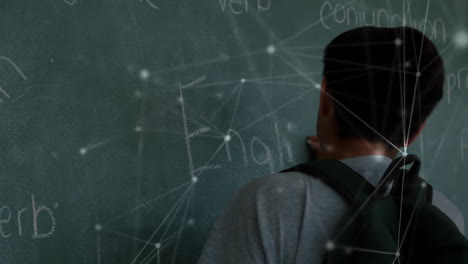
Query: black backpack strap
[[414, 186], [356, 189], [343, 179]]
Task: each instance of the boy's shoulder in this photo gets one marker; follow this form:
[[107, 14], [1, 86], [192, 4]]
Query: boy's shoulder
[[288, 190]]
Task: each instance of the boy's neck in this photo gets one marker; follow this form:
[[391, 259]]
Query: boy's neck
[[349, 148]]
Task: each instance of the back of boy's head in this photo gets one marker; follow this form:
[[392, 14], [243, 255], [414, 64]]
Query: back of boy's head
[[391, 78]]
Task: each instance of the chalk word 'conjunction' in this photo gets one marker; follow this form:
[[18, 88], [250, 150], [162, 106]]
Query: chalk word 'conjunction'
[[351, 16]]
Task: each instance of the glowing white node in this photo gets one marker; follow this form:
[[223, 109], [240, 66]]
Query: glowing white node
[[398, 42], [461, 39], [397, 254], [194, 179], [405, 154], [191, 222], [138, 129], [271, 49], [98, 227], [243, 80], [418, 74], [83, 151], [227, 138], [423, 185], [157, 245], [219, 96], [144, 74], [223, 56], [180, 100], [330, 245], [348, 250], [318, 86], [138, 94]]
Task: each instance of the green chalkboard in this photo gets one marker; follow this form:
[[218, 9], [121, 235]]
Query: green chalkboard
[[126, 125]]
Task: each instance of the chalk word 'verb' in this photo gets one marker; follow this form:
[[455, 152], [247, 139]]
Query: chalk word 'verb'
[[40, 229], [238, 7]]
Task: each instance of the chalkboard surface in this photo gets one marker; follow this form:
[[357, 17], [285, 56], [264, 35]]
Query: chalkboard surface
[[126, 125]]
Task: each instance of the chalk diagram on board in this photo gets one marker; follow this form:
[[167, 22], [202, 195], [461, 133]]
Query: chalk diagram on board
[[161, 239], [3, 91]]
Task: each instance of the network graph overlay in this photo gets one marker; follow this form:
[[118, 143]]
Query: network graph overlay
[[231, 145]]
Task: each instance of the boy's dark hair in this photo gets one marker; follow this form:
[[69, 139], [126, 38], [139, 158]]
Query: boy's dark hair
[[373, 73]]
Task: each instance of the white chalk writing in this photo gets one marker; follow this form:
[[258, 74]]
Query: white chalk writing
[[70, 2], [463, 145], [456, 80], [331, 14], [238, 7], [151, 4], [43, 229], [265, 158]]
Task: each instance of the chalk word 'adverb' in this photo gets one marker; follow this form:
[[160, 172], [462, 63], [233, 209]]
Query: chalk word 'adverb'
[[238, 7], [456, 80], [351, 16], [8, 220]]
